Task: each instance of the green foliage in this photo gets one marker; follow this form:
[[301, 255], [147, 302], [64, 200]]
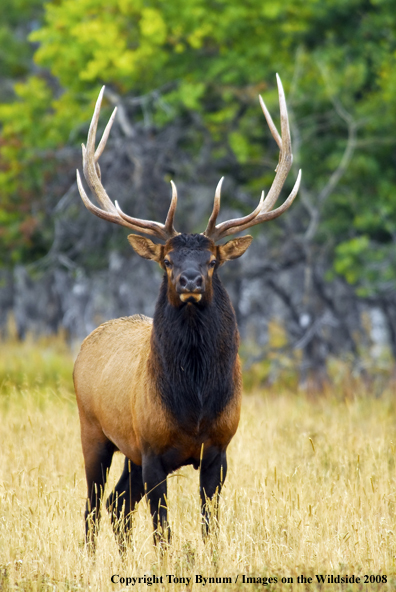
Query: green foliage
[[351, 258], [16, 20], [367, 264], [35, 364], [17, 224], [135, 46], [214, 58]]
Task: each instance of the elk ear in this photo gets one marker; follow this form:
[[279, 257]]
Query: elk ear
[[234, 248], [146, 248]]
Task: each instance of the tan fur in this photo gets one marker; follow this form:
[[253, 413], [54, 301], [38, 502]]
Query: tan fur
[[188, 295], [226, 425], [118, 400], [114, 391]]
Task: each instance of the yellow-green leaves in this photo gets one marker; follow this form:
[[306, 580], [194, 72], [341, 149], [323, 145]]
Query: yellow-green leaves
[[239, 145], [152, 26], [190, 94], [212, 59], [351, 257]]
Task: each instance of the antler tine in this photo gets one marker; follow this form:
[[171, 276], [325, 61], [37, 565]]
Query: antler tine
[[163, 231], [111, 212], [225, 228], [89, 160], [264, 211], [105, 136], [285, 157], [216, 209], [285, 129], [271, 124], [169, 228], [266, 216], [94, 209]]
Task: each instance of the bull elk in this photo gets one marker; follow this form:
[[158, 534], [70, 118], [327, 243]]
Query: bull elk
[[166, 392]]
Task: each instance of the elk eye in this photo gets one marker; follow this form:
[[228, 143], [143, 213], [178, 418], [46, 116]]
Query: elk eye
[[167, 263]]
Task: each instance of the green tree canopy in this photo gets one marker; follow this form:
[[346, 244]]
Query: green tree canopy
[[212, 58]]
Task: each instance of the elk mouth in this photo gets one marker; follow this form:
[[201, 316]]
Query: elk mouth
[[190, 297]]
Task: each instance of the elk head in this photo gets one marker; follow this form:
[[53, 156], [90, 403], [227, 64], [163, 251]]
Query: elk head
[[189, 260]]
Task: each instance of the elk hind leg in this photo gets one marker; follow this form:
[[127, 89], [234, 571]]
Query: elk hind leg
[[123, 499], [98, 456]]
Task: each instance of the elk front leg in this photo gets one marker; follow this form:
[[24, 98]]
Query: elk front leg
[[212, 477], [155, 485]]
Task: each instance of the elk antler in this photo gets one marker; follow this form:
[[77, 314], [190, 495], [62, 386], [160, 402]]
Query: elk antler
[[110, 211], [264, 210]]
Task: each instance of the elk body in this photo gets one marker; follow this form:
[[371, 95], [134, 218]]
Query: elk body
[[166, 392]]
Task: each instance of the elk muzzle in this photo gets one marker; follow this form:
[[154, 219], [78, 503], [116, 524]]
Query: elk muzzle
[[190, 285]]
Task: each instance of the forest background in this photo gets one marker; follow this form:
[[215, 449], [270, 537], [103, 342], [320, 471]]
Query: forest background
[[316, 285]]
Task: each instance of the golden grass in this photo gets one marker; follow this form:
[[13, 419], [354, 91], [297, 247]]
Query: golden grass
[[310, 490]]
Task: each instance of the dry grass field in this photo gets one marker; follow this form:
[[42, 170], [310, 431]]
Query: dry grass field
[[311, 490]]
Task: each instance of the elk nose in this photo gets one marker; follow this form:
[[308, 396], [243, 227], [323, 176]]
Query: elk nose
[[191, 281]]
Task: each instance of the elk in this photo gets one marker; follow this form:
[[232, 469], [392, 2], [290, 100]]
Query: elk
[[166, 392]]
